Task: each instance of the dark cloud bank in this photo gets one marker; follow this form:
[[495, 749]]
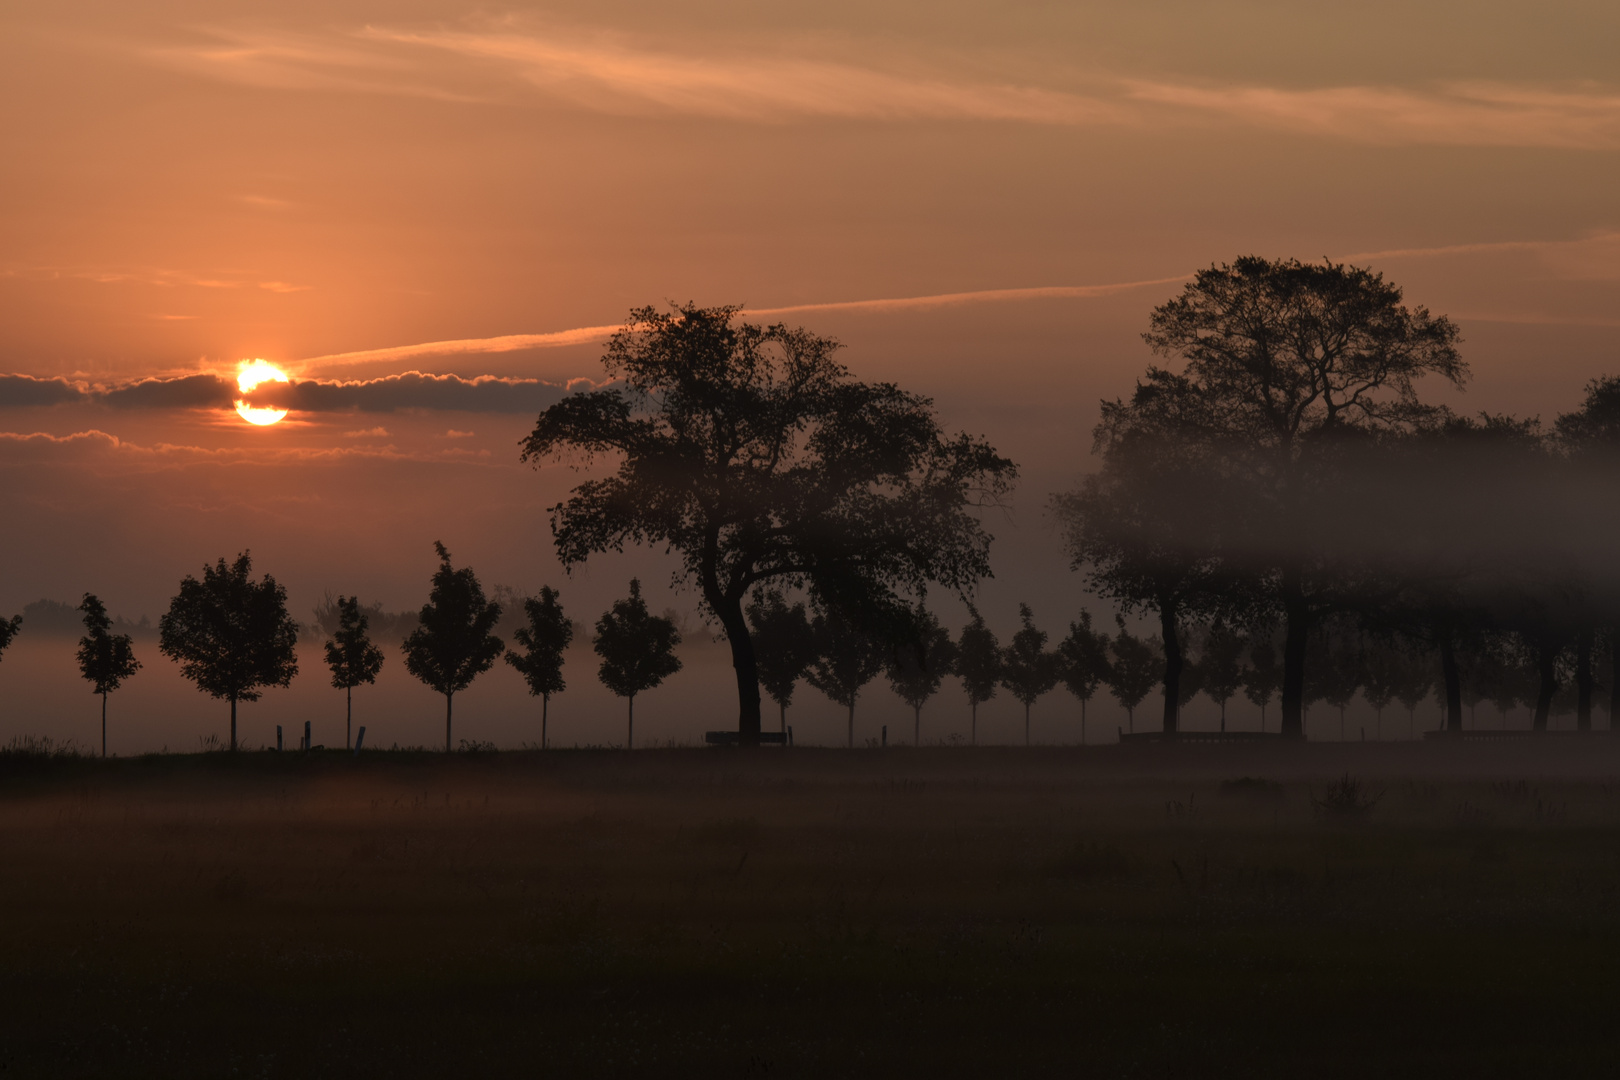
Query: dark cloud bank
[[411, 390]]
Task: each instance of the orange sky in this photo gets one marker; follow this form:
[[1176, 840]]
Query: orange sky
[[188, 184]]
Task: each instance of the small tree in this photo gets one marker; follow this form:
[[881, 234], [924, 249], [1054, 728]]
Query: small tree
[[231, 635], [848, 657], [1027, 669], [1222, 665], [544, 640], [919, 664], [978, 665], [452, 644], [1083, 663], [783, 647], [352, 658], [637, 651], [1135, 670], [1263, 677], [106, 659]]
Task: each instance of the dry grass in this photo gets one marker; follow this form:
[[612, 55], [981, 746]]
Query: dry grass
[[812, 913]]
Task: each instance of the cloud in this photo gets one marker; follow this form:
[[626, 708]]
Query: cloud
[[21, 391], [95, 446], [391, 393], [368, 433], [156, 276], [1582, 117], [454, 434], [791, 82], [584, 335]]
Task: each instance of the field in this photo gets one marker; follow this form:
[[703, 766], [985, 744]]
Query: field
[[1111, 911]]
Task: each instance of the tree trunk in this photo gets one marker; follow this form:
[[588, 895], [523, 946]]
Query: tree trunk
[[730, 613], [781, 718], [1082, 721], [1223, 717], [348, 718], [916, 725], [1451, 679], [545, 707], [630, 732], [1298, 627], [973, 732], [852, 725], [1583, 680], [233, 723], [447, 723], [104, 723], [1026, 723], [1172, 664], [1547, 664]]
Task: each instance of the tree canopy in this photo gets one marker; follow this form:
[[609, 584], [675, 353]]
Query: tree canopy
[[231, 635], [1028, 670], [978, 665], [352, 657], [105, 659], [452, 644], [637, 650], [754, 456], [919, 663], [784, 646], [545, 637], [848, 656]]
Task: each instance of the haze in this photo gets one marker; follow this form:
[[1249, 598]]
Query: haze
[[359, 192]]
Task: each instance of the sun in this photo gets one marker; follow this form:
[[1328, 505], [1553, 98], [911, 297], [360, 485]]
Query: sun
[[251, 374]]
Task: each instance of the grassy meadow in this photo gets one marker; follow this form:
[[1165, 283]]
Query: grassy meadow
[[1109, 911]]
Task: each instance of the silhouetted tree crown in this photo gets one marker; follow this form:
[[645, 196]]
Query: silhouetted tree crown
[[231, 635], [544, 638], [1133, 669], [8, 630], [919, 662], [756, 457], [783, 645], [848, 655], [1028, 670], [105, 659], [349, 652], [452, 643], [637, 648], [1284, 362]]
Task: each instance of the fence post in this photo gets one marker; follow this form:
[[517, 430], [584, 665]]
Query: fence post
[[790, 734], [278, 738], [358, 739], [885, 734], [307, 744]]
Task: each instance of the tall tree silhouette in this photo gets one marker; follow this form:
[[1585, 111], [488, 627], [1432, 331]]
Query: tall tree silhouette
[[848, 656], [978, 665], [1149, 529], [1281, 360], [231, 635], [1083, 663], [352, 658], [783, 647], [544, 638], [105, 659], [637, 651], [919, 662], [1134, 669], [756, 457], [1028, 670], [452, 644]]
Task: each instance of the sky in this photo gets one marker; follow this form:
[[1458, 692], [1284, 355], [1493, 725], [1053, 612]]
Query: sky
[[430, 211]]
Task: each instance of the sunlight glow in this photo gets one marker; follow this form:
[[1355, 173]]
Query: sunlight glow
[[251, 374]]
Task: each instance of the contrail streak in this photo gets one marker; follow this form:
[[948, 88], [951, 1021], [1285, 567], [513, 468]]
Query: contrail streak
[[586, 335]]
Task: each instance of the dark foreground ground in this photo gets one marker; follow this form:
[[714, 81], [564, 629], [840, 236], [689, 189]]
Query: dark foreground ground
[[1110, 912]]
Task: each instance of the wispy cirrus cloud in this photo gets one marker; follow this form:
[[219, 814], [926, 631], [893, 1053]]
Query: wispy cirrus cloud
[[505, 59], [162, 278]]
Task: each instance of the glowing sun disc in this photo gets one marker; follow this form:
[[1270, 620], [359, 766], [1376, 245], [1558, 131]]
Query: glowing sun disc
[[252, 373]]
